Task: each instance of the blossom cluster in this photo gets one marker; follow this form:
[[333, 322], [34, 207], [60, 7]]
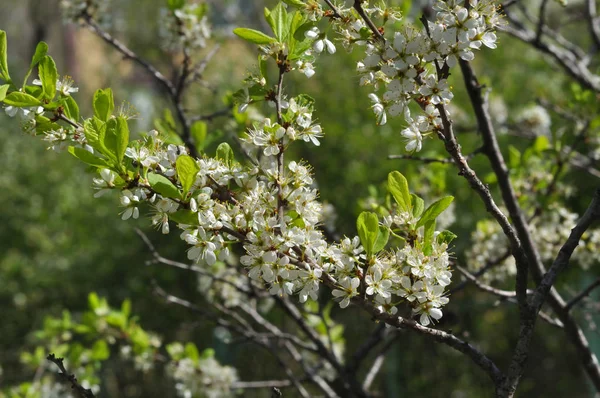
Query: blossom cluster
[[185, 28], [201, 376], [549, 232], [73, 10], [413, 65]]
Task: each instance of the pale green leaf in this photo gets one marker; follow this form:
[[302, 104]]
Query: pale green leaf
[[434, 210], [162, 185], [48, 76], [254, 36], [87, 157], [21, 100], [367, 226], [398, 187], [103, 104], [187, 169]]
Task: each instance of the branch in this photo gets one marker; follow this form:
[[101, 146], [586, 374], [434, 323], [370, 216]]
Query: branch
[[591, 215], [572, 64], [591, 17], [358, 7], [479, 358], [175, 92], [128, 54], [584, 293], [81, 391], [523, 252]]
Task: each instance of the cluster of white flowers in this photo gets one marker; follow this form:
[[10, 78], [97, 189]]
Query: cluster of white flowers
[[186, 28], [411, 65], [201, 377], [535, 120], [73, 10], [549, 232]]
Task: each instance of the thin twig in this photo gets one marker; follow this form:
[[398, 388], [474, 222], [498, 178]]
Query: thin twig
[[584, 293], [81, 391]]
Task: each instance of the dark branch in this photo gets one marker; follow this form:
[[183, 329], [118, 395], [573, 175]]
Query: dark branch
[[81, 391]]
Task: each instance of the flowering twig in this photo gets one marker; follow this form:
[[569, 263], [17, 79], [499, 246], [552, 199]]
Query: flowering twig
[[81, 391]]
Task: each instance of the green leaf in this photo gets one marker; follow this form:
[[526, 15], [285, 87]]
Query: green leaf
[[207, 353], [278, 19], [191, 351], [186, 217], [187, 169], [40, 52], [418, 205], [3, 91], [48, 76], [87, 157], [541, 144], [295, 3], [514, 157], [382, 239], [107, 140], [100, 351], [4, 57], [126, 308], [428, 237], [254, 36], [262, 66], [302, 29], [225, 153], [104, 104], [163, 186], [398, 187], [434, 210], [122, 138], [175, 4], [198, 132], [93, 301], [71, 108], [21, 100], [367, 226], [445, 237], [92, 129]]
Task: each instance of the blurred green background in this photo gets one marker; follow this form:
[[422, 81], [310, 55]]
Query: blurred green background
[[58, 243]]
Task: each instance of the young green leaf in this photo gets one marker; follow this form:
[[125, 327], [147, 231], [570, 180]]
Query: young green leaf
[[21, 100], [295, 3], [198, 132], [382, 239], [367, 226], [40, 52], [4, 57], [225, 153], [434, 210], [107, 140], [175, 4], [71, 108], [103, 104], [428, 237], [48, 76], [183, 216], [3, 91], [122, 138], [445, 237], [87, 157], [254, 36], [187, 169], [278, 19], [398, 187], [418, 205], [163, 186]]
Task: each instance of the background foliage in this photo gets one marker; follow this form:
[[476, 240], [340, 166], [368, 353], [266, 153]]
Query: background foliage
[[58, 243]]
